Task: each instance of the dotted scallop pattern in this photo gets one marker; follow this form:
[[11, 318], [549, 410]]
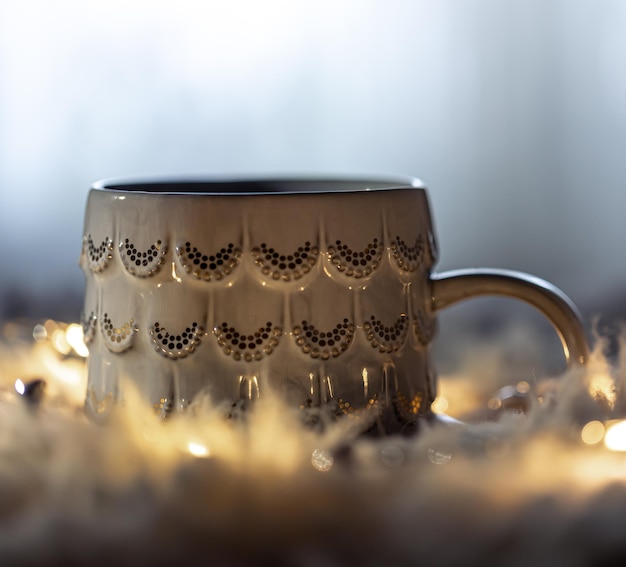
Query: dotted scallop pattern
[[285, 267], [208, 267], [98, 256], [89, 325], [163, 407], [99, 405], [424, 327], [347, 409], [354, 263], [386, 338], [248, 347], [118, 339], [409, 258], [176, 346], [142, 264], [324, 344], [408, 408]]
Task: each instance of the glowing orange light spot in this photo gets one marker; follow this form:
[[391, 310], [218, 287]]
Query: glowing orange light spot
[[439, 405], [615, 436], [592, 433]]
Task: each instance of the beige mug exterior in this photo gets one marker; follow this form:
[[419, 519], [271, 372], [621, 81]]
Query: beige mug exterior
[[319, 290]]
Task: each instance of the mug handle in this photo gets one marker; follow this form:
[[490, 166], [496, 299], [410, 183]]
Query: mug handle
[[448, 288]]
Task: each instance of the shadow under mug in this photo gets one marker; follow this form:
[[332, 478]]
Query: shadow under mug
[[319, 289]]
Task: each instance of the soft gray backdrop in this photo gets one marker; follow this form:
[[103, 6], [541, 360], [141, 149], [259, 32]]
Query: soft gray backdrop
[[513, 112]]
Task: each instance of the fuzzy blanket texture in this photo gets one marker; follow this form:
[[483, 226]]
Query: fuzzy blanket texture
[[535, 475]]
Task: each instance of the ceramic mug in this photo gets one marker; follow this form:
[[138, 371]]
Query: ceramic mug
[[319, 289]]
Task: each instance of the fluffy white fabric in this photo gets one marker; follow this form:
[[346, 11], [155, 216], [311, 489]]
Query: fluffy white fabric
[[508, 488]]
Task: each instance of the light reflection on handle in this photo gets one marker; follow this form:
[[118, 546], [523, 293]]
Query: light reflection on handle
[[451, 287]]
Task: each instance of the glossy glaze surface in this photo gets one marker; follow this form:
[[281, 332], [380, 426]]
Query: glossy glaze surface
[[324, 296]]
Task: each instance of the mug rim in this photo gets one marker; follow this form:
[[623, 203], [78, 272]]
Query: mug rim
[[255, 185]]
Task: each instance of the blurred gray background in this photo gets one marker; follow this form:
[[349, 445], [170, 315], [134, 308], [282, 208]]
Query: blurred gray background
[[513, 112]]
